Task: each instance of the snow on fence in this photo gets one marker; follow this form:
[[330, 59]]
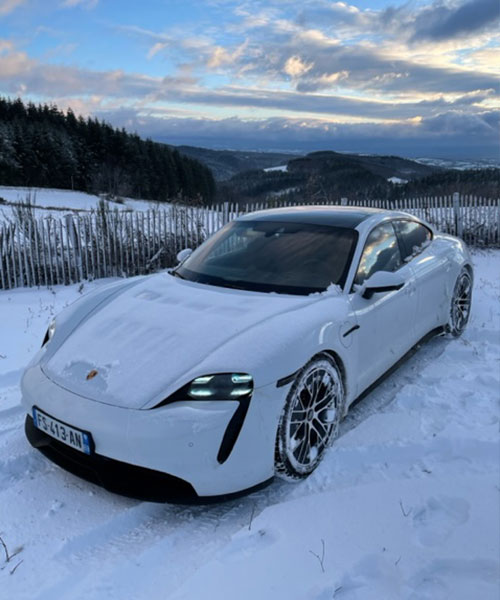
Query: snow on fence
[[108, 243]]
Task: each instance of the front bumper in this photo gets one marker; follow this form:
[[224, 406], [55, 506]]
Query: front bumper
[[161, 454], [121, 478], [113, 475]]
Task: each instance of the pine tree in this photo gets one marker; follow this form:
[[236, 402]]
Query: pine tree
[[42, 146]]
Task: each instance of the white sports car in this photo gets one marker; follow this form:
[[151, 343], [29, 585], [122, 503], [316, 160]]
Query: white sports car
[[207, 380]]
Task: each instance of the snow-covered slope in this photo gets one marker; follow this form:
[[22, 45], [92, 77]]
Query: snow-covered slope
[[51, 200], [281, 168], [405, 506]]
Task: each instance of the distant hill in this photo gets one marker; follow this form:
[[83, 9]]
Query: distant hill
[[224, 164], [40, 146], [321, 176], [381, 166], [478, 182]]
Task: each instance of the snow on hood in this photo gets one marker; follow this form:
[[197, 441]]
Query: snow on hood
[[155, 332]]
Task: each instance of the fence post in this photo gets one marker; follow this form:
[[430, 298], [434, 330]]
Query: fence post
[[343, 202], [74, 241], [2, 242], [458, 215]]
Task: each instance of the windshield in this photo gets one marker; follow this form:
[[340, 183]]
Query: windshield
[[267, 256]]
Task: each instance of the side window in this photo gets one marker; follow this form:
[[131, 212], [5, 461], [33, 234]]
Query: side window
[[381, 253], [414, 238]]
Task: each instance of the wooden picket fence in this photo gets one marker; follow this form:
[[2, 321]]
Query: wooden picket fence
[[45, 251]]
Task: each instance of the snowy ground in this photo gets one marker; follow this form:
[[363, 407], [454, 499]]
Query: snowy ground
[[460, 165], [58, 201], [282, 168], [405, 506]]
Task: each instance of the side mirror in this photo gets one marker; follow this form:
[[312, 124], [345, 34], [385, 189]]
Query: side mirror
[[183, 254], [381, 281]]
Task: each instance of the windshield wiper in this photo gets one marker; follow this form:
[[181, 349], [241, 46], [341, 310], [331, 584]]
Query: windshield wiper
[[176, 274]]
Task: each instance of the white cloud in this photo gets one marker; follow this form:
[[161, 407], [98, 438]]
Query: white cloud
[[486, 59], [295, 67], [220, 56], [7, 6], [323, 82], [20, 72], [158, 47], [82, 3], [13, 64]]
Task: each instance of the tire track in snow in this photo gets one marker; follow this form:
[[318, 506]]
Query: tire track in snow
[[14, 412], [11, 378], [22, 467], [144, 533], [11, 419], [160, 537], [408, 371]]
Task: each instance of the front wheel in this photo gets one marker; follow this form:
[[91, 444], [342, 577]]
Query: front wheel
[[460, 304], [310, 418]]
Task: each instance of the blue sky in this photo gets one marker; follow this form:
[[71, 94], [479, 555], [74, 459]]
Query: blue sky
[[417, 78]]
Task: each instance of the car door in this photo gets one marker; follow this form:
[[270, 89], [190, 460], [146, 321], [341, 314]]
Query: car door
[[429, 266], [386, 320]]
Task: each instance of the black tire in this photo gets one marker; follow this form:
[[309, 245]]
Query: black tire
[[460, 306], [310, 418]]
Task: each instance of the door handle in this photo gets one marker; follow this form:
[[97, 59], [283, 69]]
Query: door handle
[[349, 331]]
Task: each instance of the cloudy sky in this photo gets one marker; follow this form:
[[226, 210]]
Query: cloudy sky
[[416, 78]]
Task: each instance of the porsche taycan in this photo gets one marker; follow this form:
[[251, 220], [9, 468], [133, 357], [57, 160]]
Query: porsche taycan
[[236, 366]]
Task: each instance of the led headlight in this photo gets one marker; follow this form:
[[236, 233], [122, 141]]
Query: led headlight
[[223, 386], [50, 332], [220, 386]]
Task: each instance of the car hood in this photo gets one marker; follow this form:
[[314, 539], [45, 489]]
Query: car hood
[[151, 338]]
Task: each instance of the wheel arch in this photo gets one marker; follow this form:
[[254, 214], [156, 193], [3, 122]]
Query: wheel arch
[[340, 363]]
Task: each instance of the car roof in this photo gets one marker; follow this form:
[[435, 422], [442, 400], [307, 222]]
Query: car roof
[[339, 216]]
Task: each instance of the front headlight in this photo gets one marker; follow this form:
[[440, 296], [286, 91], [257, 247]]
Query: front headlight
[[224, 386], [50, 332], [219, 386]]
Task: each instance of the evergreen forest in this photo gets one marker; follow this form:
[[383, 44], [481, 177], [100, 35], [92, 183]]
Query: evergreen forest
[[41, 146]]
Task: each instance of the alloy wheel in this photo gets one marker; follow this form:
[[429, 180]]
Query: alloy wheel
[[313, 415], [461, 304]]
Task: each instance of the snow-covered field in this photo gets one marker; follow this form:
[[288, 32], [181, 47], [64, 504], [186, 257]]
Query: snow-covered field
[[47, 200], [281, 168], [404, 506], [460, 164]]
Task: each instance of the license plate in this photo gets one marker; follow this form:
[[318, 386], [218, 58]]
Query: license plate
[[77, 439]]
